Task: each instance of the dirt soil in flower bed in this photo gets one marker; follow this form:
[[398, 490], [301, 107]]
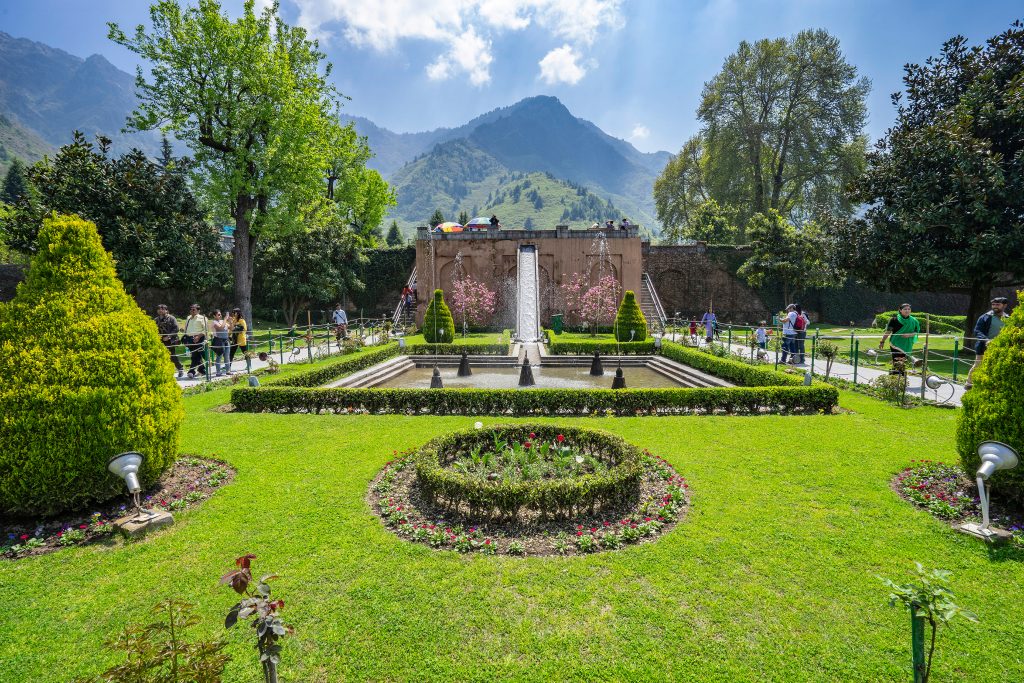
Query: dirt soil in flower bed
[[186, 484], [653, 513], [945, 491]]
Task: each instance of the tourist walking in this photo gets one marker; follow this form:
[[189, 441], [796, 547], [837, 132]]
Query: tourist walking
[[709, 320], [987, 328], [800, 325], [340, 320], [239, 340], [789, 334], [196, 330], [167, 327], [901, 332], [220, 343]]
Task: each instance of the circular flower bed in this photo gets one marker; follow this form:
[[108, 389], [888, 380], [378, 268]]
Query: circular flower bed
[[529, 490], [187, 483], [945, 491]]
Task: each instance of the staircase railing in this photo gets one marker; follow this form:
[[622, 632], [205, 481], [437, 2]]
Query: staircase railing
[[655, 301], [396, 318]]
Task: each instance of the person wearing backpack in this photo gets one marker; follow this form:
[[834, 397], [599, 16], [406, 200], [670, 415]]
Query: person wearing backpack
[[789, 334], [800, 326]]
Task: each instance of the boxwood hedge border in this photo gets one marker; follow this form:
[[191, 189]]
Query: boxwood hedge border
[[562, 498]]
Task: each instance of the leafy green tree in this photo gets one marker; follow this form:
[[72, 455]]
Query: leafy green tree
[[301, 268], [782, 253], [713, 224], [16, 184], [463, 217], [249, 98], [944, 188], [394, 238], [145, 212], [782, 129], [436, 219], [630, 323]]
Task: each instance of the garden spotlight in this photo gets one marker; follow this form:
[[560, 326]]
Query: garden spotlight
[[994, 456], [934, 381], [126, 466]]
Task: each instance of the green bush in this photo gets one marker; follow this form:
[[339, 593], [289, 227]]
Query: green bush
[[557, 497], [630, 324], [438, 324], [83, 377], [561, 402], [993, 410], [336, 369], [586, 347], [940, 324], [728, 368], [480, 349]]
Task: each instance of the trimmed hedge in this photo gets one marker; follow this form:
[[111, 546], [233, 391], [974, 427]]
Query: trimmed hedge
[[83, 377], [622, 402], [345, 366], [438, 324], [500, 349], [630, 320], [558, 497], [586, 347], [735, 371], [993, 410]]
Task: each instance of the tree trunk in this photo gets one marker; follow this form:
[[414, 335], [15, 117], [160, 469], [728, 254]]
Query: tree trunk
[[243, 255], [978, 304]]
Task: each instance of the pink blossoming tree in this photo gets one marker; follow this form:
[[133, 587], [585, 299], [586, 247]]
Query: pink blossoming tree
[[473, 301], [594, 305]]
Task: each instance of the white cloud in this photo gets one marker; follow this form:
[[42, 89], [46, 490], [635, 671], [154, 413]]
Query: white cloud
[[561, 65], [463, 26], [471, 55], [640, 132]]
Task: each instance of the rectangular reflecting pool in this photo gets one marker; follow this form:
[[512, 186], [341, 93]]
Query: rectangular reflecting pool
[[573, 377]]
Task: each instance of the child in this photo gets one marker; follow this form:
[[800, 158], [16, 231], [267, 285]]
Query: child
[[762, 336], [693, 332]]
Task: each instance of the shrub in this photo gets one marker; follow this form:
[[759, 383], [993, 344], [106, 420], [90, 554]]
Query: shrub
[[586, 347], [630, 324], [337, 369], [583, 402], [438, 325], [993, 410], [940, 324], [560, 497], [728, 368], [83, 377]]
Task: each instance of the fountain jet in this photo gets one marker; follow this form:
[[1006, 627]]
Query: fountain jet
[[464, 370], [596, 369], [526, 374]]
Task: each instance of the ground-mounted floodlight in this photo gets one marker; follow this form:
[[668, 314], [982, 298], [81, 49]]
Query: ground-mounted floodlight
[[994, 456], [126, 466], [808, 378], [401, 342], [657, 342], [254, 381], [934, 381]]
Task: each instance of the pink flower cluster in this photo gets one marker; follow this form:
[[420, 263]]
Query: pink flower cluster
[[473, 301]]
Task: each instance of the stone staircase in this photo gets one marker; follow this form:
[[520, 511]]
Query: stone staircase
[[651, 305]]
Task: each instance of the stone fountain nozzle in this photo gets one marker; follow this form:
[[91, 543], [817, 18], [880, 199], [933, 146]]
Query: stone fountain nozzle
[[526, 374], [620, 381], [596, 368], [464, 369], [435, 379]]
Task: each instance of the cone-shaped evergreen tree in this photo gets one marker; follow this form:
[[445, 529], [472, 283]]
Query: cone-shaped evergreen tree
[[83, 377], [630, 318], [994, 408], [438, 324]]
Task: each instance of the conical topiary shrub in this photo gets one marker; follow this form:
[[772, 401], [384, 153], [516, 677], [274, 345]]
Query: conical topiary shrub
[[83, 377], [994, 408], [630, 318], [438, 324]]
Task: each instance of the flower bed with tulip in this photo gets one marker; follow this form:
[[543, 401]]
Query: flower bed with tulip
[[946, 492], [529, 490], [186, 484]]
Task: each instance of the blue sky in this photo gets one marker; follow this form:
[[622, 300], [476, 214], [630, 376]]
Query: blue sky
[[633, 67]]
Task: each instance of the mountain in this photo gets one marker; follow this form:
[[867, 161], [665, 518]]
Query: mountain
[[51, 93], [535, 135], [18, 141]]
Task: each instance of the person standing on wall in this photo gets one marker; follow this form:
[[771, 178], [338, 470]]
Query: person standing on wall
[[196, 330], [167, 326], [901, 332], [789, 334], [986, 329]]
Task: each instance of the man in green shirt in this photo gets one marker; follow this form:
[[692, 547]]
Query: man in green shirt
[[901, 332]]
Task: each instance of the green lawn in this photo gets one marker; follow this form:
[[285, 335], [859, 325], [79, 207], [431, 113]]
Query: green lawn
[[771, 577], [471, 338]]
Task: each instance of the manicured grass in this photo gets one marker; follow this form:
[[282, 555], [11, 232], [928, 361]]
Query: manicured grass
[[471, 338], [770, 577]]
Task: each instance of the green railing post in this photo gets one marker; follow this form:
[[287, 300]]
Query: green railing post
[[956, 355], [917, 644], [775, 343], [270, 341], [280, 348], [856, 357], [851, 347], [814, 348], [729, 338]]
